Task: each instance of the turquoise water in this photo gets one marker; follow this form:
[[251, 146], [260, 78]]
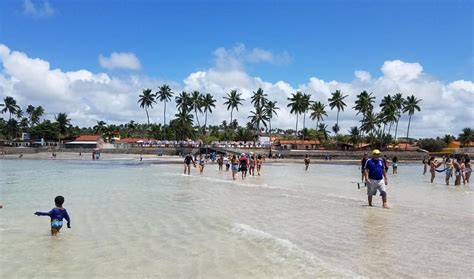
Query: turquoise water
[[135, 219]]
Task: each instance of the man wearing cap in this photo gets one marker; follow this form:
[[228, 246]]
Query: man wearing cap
[[376, 178]]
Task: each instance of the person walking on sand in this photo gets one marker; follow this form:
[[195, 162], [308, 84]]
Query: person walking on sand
[[306, 162], [362, 166], [188, 159], [57, 215], [376, 178]]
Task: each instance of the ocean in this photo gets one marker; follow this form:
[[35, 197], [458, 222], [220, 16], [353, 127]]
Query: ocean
[[134, 219]]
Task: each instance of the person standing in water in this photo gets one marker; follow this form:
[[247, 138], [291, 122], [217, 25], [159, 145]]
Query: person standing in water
[[362, 166], [235, 166], [252, 163], [467, 169], [244, 162], [227, 162], [57, 215], [426, 163], [457, 171], [220, 162], [187, 163], [202, 163], [395, 165], [306, 162], [259, 163], [376, 178], [448, 169], [433, 163]]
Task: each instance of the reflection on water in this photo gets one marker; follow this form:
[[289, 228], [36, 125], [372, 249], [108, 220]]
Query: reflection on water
[[137, 219]]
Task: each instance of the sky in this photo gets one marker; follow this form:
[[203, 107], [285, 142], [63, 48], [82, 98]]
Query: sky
[[91, 59]]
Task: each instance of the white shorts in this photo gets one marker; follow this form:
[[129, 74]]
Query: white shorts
[[374, 185]]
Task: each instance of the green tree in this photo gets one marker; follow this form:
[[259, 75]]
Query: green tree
[[323, 130], [317, 112], [146, 100], [398, 102], [196, 104], [208, 103], [295, 105], [448, 139], [164, 95], [63, 123], [364, 103], [305, 103], [354, 136], [337, 101], [467, 136], [233, 101], [10, 106], [259, 98], [410, 105], [183, 102], [258, 117]]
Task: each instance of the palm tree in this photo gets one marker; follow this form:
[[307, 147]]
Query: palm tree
[[317, 112], [34, 114], [466, 136], [99, 128], [398, 101], [323, 129], [295, 104], [257, 117], [208, 103], [233, 102], [259, 98], [146, 100], [63, 124], [410, 105], [354, 136], [183, 102], [364, 103], [305, 103], [370, 122], [164, 94], [196, 104], [271, 110], [337, 101], [10, 106]]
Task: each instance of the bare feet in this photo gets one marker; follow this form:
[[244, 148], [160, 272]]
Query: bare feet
[[385, 205]]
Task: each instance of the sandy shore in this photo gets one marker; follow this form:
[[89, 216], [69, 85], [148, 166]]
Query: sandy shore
[[156, 159]]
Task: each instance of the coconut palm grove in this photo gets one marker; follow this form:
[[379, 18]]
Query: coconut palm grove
[[378, 119]]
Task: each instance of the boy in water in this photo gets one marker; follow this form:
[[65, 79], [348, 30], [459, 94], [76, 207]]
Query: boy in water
[[306, 161], [57, 215], [376, 177]]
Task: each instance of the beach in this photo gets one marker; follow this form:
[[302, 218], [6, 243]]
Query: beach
[[139, 219]]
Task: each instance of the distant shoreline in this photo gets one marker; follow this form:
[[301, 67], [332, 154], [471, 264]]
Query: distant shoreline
[[147, 158]]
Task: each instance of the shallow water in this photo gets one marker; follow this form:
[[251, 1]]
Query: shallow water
[[135, 220]]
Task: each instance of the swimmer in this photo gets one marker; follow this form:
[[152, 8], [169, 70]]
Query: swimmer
[[306, 162], [202, 163], [433, 163], [244, 162], [457, 171], [57, 215], [449, 169], [467, 169]]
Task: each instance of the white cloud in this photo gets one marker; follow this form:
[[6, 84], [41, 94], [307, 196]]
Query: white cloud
[[362, 75], [236, 57], [120, 60], [88, 97], [399, 70], [41, 9]]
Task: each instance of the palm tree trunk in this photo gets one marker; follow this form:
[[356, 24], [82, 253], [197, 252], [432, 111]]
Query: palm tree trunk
[[205, 121], [270, 136], [296, 132], [164, 116], [396, 128], [408, 131], [147, 117], [197, 119], [231, 111], [381, 136], [304, 123], [337, 122]]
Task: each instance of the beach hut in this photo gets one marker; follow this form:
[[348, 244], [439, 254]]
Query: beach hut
[[86, 141], [298, 144]]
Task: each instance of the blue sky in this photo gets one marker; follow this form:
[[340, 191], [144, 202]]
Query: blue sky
[[329, 39], [91, 59]]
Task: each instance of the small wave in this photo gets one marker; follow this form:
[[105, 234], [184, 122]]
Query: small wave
[[345, 198], [309, 259]]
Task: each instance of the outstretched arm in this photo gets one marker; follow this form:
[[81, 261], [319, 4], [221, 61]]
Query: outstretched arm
[[37, 213]]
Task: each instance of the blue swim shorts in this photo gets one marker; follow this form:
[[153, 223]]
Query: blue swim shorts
[[56, 224]]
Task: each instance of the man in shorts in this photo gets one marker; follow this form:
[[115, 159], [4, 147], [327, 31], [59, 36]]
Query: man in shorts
[[376, 177], [188, 159]]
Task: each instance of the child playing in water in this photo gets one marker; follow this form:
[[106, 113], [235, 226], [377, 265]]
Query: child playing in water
[[306, 161], [259, 163], [57, 215]]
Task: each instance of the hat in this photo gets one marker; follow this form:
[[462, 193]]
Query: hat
[[376, 152], [243, 154]]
